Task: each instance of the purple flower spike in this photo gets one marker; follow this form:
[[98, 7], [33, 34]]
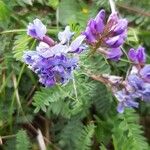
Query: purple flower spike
[[36, 29], [51, 70], [106, 34], [52, 62], [145, 73], [137, 56], [114, 54]]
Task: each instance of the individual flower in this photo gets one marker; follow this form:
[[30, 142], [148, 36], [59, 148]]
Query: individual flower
[[76, 46], [114, 54], [38, 30], [135, 82], [66, 35], [108, 35], [145, 73], [46, 51], [137, 56], [125, 100], [146, 92]]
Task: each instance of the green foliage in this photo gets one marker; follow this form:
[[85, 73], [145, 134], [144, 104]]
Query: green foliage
[[128, 134], [4, 12], [20, 45], [62, 99], [95, 63], [69, 137], [53, 3], [102, 147], [85, 140], [47, 96], [22, 141]]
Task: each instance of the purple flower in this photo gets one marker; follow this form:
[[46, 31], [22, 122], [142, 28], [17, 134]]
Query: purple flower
[[55, 63], [137, 56], [66, 35], [108, 35], [116, 25], [145, 73], [125, 100], [135, 82], [120, 27], [90, 37], [114, 54], [46, 51], [29, 57], [99, 21], [146, 92], [51, 70], [116, 41], [36, 29], [76, 46], [112, 33]]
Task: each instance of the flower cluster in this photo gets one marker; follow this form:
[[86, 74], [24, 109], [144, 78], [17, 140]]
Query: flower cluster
[[137, 84], [108, 36], [53, 62]]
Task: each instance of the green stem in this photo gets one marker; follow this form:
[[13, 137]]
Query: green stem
[[52, 31], [65, 93], [13, 31], [124, 60], [5, 83], [13, 98], [75, 88]]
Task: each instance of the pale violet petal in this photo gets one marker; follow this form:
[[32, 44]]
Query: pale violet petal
[[77, 43], [55, 50], [65, 36], [42, 47]]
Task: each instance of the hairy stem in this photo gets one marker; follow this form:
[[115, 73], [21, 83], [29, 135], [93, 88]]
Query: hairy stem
[[112, 6]]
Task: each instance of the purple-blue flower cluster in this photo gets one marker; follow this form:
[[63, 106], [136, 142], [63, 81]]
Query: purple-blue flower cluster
[[137, 84], [108, 35], [51, 70], [53, 62]]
